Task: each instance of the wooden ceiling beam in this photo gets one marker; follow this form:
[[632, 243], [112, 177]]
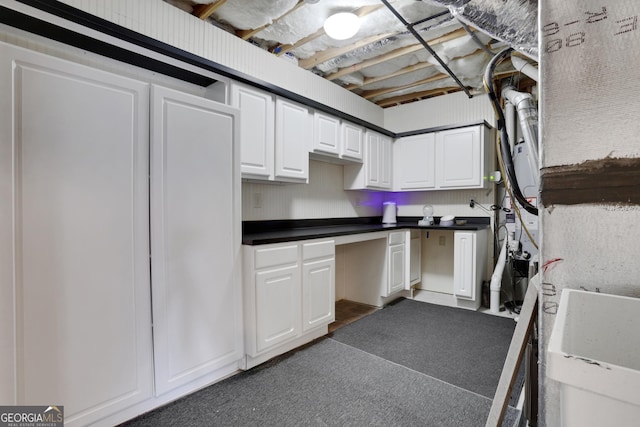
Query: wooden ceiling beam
[[203, 11], [246, 34], [395, 54], [377, 92], [282, 49], [416, 96]]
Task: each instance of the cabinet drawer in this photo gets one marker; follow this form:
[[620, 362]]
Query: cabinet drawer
[[268, 257], [396, 238], [318, 249]]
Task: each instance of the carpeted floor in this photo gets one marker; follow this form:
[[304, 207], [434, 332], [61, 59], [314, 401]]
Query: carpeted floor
[[461, 347], [342, 380]]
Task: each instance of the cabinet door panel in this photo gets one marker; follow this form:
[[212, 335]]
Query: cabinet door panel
[[352, 137], [464, 265], [293, 131], [277, 306], [459, 158], [415, 271], [385, 161], [396, 279], [196, 298], [81, 235], [372, 161], [318, 293], [326, 134], [414, 162], [257, 131]]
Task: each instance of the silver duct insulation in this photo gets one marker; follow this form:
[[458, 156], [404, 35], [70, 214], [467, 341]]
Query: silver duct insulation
[[514, 22]]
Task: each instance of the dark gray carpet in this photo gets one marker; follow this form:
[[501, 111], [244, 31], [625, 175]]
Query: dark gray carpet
[[326, 384], [461, 347]]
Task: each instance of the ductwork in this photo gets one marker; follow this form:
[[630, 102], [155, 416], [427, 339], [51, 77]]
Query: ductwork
[[514, 22]]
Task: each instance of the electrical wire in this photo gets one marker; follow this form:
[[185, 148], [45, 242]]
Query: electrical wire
[[514, 205], [504, 138]]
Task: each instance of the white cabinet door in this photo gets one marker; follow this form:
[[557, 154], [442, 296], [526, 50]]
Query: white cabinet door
[[278, 311], [196, 237], [352, 137], [464, 264], [79, 220], [460, 158], [372, 160], [326, 134], [396, 280], [414, 162], [385, 161], [256, 131], [415, 258], [294, 130], [318, 293]]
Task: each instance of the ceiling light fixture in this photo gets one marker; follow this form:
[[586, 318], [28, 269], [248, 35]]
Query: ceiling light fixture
[[342, 26]]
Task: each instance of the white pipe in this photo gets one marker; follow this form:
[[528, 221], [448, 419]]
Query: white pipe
[[496, 278], [510, 122], [523, 66], [528, 115]]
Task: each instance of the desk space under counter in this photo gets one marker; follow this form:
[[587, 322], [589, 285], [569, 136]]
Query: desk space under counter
[[291, 286]]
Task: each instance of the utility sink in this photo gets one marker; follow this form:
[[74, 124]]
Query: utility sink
[[594, 353]]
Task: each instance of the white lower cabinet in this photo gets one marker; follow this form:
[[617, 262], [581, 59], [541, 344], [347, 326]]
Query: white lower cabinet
[[396, 263], [289, 296], [415, 257], [469, 266]]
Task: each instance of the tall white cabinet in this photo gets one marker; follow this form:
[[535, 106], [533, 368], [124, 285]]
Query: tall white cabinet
[[194, 199], [82, 252], [75, 237]]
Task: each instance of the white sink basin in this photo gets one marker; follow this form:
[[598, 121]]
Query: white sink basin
[[594, 352]]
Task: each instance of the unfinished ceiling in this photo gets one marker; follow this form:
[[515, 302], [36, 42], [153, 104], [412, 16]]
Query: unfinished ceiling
[[387, 61]]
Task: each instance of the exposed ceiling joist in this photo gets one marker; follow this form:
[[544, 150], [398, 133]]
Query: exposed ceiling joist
[[246, 34], [203, 11], [416, 96], [373, 93]]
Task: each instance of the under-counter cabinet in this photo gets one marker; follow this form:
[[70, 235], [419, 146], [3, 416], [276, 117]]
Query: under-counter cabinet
[[76, 323], [274, 135], [289, 296], [375, 172], [397, 267], [415, 257], [469, 266]]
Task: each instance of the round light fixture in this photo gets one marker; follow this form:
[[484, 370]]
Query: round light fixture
[[342, 26]]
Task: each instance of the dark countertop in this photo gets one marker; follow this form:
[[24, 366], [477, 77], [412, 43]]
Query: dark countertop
[[277, 231]]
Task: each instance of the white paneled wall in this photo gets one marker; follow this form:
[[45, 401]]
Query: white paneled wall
[[323, 197], [164, 22], [444, 110]]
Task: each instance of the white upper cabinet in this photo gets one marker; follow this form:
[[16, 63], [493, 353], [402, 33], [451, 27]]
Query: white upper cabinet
[[294, 130], [446, 160], [352, 137], [375, 172], [460, 158], [257, 137], [414, 162], [335, 140], [326, 134], [274, 135]]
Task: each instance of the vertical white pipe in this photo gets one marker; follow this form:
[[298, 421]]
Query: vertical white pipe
[[496, 278]]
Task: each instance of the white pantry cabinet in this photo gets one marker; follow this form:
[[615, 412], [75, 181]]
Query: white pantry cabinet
[[274, 135], [375, 172], [76, 309], [336, 140], [196, 256], [289, 296]]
